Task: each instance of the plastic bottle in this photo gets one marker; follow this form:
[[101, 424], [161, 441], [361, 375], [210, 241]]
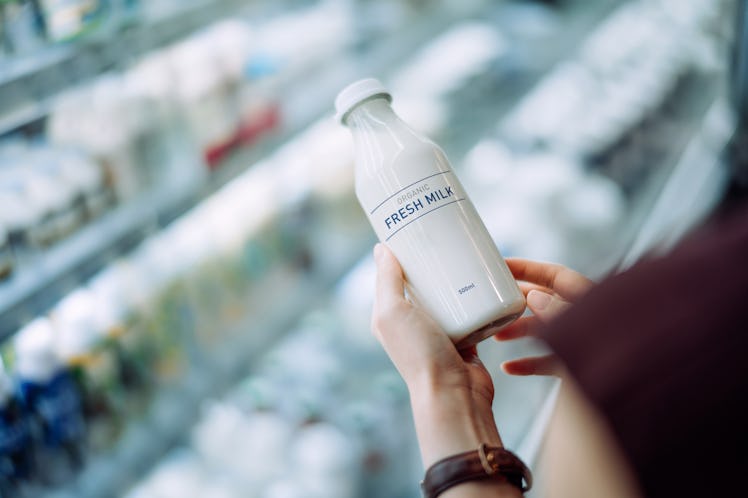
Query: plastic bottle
[[419, 209], [49, 394]]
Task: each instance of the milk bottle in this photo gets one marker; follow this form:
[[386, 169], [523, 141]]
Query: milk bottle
[[419, 209]]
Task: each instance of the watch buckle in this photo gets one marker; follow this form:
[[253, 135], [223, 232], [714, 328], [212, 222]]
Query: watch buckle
[[487, 460]]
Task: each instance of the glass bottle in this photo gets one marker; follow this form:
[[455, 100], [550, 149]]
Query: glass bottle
[[419, 209]]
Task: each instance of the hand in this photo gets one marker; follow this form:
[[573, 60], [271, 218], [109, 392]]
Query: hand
[[451, 392], [549, 289], [421, 351]]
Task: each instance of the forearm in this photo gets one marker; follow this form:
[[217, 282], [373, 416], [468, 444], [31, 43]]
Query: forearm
[[453, 422]]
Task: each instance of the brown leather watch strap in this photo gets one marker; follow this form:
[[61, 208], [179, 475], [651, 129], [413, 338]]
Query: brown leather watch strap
[[486, 462]]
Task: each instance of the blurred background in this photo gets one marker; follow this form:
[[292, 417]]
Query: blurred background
[[185, 273]]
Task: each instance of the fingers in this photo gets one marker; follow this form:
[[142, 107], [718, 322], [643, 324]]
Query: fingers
[[534, 365], [390, 304], [526, 287], [390, 283], [469, 355], [522, 327], [567, 283], [545, 306]]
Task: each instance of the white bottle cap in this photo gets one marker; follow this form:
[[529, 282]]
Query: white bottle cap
[[355, 93]]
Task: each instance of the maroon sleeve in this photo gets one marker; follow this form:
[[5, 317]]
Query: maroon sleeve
[[662, 351]]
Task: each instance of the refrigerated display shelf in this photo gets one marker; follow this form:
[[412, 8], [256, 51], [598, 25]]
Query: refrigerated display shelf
[[181, 413], [29, 82], [656, 214], [258, 331], [42, 279], [692, 189], [676, 202], [176, 410]]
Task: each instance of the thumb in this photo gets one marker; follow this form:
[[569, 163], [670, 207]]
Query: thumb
[[390, 283], [545, 306]]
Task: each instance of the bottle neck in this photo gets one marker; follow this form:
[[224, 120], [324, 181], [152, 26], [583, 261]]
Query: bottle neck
[[375, 110], [378, 133]]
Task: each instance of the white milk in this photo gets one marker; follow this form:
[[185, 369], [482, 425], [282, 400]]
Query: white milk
[[419, 209]]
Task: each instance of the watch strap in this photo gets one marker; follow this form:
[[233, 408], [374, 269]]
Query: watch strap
[[485, 463]]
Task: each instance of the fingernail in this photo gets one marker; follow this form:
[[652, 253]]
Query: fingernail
[[377, 251], [538, 300]]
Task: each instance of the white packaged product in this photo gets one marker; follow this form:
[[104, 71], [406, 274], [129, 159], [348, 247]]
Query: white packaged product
[[327, 462], [204, 92], [250, 447], [103, 120], [420, 210], [20, 213], [46, 204], [449, 60]]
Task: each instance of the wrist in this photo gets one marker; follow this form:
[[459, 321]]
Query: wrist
[[450, 421]]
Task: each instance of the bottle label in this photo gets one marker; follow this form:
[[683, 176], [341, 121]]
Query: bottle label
[[413, 202]]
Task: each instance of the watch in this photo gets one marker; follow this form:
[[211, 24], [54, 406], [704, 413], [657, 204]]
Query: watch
[[485, 463]]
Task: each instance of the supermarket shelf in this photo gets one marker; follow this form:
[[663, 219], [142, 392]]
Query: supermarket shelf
[[28, 83], [175, 412], [691, 191], [37, 284], [42, 279]]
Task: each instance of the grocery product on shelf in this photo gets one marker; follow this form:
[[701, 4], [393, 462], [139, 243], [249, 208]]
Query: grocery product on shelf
[[151, 82], [327, 459], [421, 211], [94, 365], [39, 210], [115, 128], [260, 441], [624, 71], [339, 427], [52, 400], [85, 178], [167, 318], [205, 92], [117, 312], [67, 19], [571, 208], [47, 193], [449, 60], [320, 32], [16, 454], [21, 214]]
